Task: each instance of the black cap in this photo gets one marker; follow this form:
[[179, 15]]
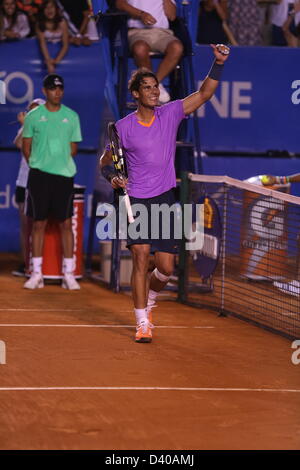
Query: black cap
[[52, 81]]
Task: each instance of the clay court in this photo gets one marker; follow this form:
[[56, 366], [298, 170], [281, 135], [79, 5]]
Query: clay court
[[75, 379]]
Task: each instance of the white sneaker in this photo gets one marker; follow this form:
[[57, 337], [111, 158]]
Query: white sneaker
[[69, 282], [290, 288], [164, 96], [35, 281]]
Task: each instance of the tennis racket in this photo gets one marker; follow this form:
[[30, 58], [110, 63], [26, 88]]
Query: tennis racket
[[119, 164]]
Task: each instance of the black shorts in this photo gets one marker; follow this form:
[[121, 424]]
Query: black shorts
[[49, 196], [20, 194], [161, 234]]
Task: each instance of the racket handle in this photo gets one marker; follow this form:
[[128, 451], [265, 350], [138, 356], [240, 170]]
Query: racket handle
[[129, 209]]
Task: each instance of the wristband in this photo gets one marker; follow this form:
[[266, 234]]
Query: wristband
[[216, 71], [282, 179], [108, 172]]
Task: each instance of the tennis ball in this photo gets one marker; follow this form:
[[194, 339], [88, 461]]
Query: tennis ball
[[265, 179]]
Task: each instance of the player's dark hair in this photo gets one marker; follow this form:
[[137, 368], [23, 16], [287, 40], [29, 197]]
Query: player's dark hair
[[138, 76]]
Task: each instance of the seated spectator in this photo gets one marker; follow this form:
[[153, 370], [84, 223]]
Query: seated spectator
[[13, 24], [30, 8], [291, 27], [149, 32], [51, 27], [82, 28], [245, 22], [284, 29], [212, 13]]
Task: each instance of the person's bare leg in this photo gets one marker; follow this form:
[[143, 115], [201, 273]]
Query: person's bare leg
[[67, 238], [140, 262], [68, 268], [164, 263], [24, 231], [38, 235], [172, 57], [141, 54]]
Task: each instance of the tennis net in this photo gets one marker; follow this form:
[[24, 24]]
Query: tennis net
[[249, 264]]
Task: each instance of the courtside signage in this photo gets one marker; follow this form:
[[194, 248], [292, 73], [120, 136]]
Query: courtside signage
[[2, 352], [296, 354], [2, 92], [296, 94]]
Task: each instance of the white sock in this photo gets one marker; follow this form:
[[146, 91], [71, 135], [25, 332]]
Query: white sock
[[140, 315], [151, 297], [37, 264], [68, 265]]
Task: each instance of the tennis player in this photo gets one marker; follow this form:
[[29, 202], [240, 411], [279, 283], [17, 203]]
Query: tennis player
[[148, 137], [292, 287]]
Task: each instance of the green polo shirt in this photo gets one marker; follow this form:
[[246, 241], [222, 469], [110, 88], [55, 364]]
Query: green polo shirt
[[52, 134]]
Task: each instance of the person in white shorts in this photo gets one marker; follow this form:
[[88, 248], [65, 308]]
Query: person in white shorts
[[148, 31], [21, 185]]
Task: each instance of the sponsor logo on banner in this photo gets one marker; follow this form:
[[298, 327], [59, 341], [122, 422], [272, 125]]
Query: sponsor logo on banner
[[2, 92], [2, 352], [206, 259], [234, 101], [264, 238], [8, 79], [296, 94], [296, 354]]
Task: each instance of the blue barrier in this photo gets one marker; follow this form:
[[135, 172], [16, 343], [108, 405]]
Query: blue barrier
[[256, 107], [9, 215], [84, 73]]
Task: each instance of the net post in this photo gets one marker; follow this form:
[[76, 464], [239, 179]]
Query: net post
[[183, 256], [223, 251]]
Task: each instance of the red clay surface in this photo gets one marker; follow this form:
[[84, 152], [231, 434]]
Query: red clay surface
[[57, 339]]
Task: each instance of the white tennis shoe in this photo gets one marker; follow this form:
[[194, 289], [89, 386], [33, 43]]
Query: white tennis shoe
[[290, 288], [35, 281], [164, 96], [69, 282]]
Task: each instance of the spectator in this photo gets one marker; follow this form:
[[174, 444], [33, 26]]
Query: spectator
[[13, 24], [50, 137], [82, 28], [21, 185], [30, 8], [149, 32], [245, 22], [283, 27], [52, 27], [291, 27], [212, 13]]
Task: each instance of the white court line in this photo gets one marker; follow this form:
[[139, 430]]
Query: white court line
[[37, 325], [162, 389], [39, 310]]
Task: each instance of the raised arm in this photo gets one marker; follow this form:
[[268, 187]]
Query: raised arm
[[192, 102]]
